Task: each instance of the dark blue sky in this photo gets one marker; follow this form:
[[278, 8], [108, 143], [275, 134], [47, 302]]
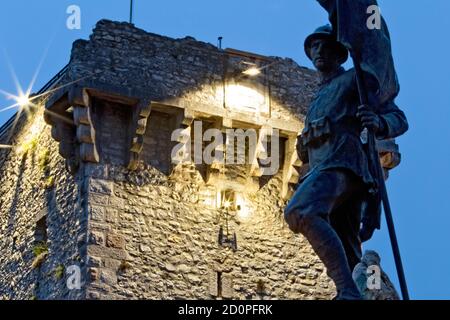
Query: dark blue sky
[[419, 189]]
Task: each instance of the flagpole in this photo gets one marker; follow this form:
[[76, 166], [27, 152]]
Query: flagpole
[[374, 158], [131, 11]]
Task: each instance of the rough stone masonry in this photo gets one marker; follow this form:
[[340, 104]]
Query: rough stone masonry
[[92, 193]]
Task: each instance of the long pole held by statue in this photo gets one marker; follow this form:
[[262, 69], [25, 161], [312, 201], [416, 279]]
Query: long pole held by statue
[[373, 157]]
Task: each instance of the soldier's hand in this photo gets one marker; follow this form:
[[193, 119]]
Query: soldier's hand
[[369, 119], [366, 233]]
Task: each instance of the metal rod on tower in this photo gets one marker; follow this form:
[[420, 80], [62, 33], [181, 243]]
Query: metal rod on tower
[[131, 11]]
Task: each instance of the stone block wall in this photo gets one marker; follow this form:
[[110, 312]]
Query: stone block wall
[[152, 237], [137, 63], [39, 199], [111, 128]]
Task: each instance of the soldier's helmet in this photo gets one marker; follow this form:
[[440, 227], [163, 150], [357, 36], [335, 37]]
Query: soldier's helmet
[[326, 32]]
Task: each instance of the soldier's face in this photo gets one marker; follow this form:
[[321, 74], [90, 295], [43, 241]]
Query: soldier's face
[[324, 55]]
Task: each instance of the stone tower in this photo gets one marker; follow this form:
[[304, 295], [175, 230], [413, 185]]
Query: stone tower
[[95, 203]]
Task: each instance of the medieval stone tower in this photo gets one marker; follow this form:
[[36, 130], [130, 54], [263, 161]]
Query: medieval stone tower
[[95, 203]]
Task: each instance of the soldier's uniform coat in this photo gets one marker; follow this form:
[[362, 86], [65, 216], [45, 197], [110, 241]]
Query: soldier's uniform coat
[[339, 183]]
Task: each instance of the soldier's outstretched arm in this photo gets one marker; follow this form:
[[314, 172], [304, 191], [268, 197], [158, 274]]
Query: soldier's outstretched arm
[[387, 122], [394, 121]]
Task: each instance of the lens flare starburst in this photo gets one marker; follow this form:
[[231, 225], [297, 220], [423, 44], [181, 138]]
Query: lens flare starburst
[[24, 100]]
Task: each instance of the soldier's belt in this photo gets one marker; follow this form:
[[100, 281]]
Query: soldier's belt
[[317, 131]]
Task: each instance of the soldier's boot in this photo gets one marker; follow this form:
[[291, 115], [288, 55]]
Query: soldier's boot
[[328, 247]]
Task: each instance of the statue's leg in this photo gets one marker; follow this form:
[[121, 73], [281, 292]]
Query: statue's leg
[[346, 221], [308, 212]]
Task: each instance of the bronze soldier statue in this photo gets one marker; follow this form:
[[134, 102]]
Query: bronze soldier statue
[[330, 201]]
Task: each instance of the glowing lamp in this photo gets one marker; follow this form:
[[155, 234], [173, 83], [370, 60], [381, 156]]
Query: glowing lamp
[[252, 72]]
